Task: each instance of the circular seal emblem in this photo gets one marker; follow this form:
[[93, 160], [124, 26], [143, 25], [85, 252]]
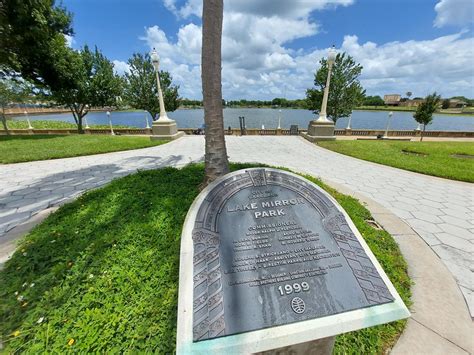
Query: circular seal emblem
[[298, 305]]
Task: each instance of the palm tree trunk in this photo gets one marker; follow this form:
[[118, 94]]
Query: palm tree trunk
[[216, 160]]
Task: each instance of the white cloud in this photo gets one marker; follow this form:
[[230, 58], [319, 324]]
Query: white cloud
[[257, 62], [69, 40], [443, 64], [454, 12], [121, 67]]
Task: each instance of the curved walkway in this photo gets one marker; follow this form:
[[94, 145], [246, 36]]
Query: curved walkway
[[439, 210]]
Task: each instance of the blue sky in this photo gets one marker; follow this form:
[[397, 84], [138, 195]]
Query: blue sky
[[272, 47]]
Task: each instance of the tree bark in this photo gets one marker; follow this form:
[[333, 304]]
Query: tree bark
[[216, 162], [4, 122], [423, 132]]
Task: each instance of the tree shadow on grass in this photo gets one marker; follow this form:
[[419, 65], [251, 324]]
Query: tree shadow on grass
[[30, 137], [104, 268]]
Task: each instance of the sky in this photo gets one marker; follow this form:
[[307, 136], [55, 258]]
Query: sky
[[272, 48]]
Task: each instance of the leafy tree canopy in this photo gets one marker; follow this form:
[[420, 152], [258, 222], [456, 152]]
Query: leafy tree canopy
[[89, 80], [373, 101], [424, 112], [32, 39], [11, 91], [141, 89], [345, 91]]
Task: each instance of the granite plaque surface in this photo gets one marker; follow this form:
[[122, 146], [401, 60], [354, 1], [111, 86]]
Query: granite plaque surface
[[270, 248]]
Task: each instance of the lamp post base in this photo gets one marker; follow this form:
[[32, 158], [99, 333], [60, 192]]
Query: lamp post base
[[320, 131], [165, 129]]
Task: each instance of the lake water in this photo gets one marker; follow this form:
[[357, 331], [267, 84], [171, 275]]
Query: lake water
[[255, 118]]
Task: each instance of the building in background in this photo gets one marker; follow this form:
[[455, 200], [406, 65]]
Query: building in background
[[392, 99]]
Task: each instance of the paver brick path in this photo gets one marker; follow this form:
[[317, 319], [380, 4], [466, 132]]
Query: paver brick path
[[440, 210]]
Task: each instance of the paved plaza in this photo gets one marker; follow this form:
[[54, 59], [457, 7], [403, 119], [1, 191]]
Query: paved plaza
[[439, 210]]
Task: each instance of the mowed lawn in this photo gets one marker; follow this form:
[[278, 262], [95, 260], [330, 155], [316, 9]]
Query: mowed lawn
[[15, 149], [101, 274], [450, 160]]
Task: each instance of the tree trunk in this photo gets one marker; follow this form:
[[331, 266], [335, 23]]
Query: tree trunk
[[216, 160], [423, 132], [4, 122], [77, 118]]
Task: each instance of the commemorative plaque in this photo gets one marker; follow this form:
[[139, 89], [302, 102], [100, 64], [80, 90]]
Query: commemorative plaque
[[268, 249]]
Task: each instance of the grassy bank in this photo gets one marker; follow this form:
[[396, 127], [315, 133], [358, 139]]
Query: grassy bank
[[101, 274], [451, 160], [15, 149], [468, 111], [46, 124]]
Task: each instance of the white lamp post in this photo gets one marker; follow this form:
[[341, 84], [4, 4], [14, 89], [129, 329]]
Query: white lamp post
[[28, 119], [155, 59], [146, 120], [110, 124], [390, 114], [322, 114], [279, 119], [85, 118], [349, 122]]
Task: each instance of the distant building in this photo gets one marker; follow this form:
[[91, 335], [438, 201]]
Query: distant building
[[392, 99], [412, 103], [456, 103]]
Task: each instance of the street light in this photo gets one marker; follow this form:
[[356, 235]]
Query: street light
[[390, 114], [155, 59], [322, 114], [146, 120], [349, 122], [85, 118], [279, 119], [110, 124], [28, 119]]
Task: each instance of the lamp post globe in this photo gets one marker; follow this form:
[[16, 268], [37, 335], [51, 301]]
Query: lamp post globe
[[155, 60], [332, 55]]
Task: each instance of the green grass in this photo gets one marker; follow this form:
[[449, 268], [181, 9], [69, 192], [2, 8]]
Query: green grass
[[15, 149], [431, 158], [46, 124], [104, 271]]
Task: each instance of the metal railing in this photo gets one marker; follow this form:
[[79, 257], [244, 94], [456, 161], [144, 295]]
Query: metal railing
[[248, 131]]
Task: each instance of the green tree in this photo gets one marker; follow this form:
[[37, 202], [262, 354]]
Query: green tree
[[11, 91], [88, 81], [424, 112], [445, 104], [141, 90], [216, 161], [345, 92], [373, 101], [32, 39]]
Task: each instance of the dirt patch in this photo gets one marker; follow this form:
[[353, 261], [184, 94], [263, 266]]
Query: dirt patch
[[409, 152], [462, 156], [373, 224]]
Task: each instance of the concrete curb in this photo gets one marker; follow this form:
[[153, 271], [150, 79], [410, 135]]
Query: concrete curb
[[440, 321]]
